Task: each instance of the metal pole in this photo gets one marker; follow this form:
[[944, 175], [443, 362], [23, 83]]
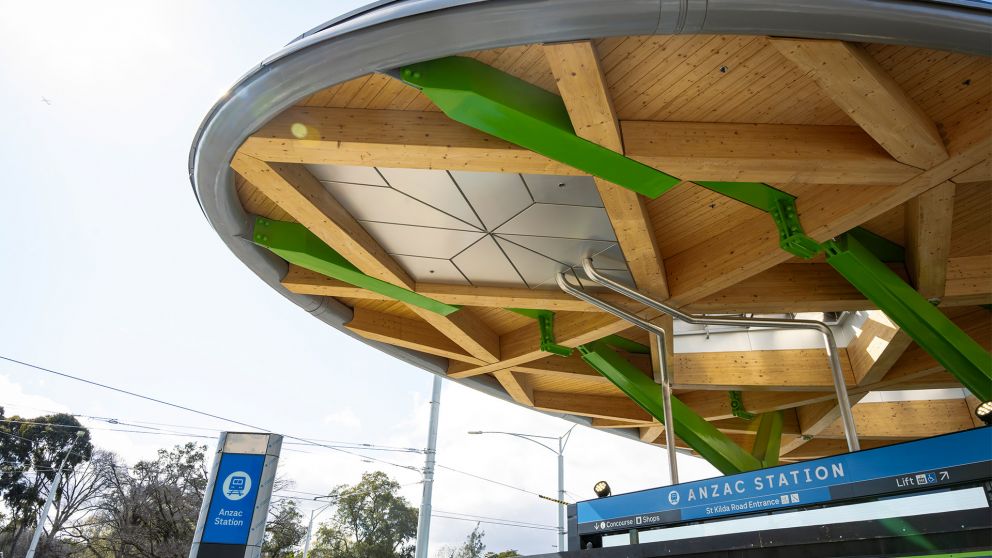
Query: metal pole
[[424, 521], [847, 418], [306, 545], [666, 401], [43, 516], [561, 496]]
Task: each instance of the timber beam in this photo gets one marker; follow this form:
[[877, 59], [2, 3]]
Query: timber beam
[[696, 150]]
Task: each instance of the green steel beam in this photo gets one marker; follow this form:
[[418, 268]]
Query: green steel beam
[[297, 245], [546, 326], [504, 106], [625, 344], [514, 110], [768, 442], [714, 446], [924, 323]]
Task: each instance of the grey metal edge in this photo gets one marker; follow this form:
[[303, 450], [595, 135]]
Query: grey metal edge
[[390, 34]]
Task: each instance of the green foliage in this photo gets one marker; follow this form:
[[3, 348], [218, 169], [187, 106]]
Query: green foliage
[[284, 531], [31, 451], [151, 509], [371, 521], [474, 547]]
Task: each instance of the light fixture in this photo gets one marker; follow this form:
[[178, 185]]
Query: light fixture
[[475, 432], [602, 489], [984, 412]]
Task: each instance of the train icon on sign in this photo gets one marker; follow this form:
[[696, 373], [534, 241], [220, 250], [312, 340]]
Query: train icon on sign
[[237, 485]]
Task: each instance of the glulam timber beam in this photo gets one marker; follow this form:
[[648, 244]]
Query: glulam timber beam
[[410, 333], [905, 419], [859, 85], [876, 348], [969, 281], [695, 150], [784, 370], [825, 211], [817, 448], [587, 98], [596, 406], [788, 287], [302, 196], [516, 385], [389, 138], [928, 239], [763, 153]]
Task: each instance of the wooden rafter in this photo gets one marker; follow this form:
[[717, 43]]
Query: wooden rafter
[[301, 195], [868, 94], [762, 153], [297, 192], [787, 287], [748, 248], [583, 88], [785, 370], [906, 419], [406, 332], [928, 239], [517, 385], [695, 150]]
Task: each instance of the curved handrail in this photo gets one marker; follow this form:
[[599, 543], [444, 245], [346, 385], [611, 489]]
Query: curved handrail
[[840, 387]]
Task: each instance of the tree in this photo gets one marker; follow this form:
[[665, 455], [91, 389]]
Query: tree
[[371, 521], [83, 489], [150, 511], [32, 451], [284, 531], [473, 547]]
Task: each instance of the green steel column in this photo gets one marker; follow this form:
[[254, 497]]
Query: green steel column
[[714, 446], [297, 245], [768, 442], [928, 326]]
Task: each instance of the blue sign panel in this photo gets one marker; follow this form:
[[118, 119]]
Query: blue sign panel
[[911, 466], [233, 500]]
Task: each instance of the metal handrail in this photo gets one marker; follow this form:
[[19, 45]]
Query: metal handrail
[[840, 387], [662, 376]]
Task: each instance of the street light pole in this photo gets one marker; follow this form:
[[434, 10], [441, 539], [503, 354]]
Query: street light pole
[[424, 520], [562, 441], [313, 512], [43, 516]]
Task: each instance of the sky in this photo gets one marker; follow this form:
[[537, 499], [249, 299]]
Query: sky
[[110, 272]]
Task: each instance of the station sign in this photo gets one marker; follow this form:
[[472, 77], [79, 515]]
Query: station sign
[[232, 517], [916, 466], [232, 503]]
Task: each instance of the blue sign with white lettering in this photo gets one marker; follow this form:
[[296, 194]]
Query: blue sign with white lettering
[[912, 466], [233, 500]]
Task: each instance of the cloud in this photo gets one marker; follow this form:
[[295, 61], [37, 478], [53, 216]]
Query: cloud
[[16, 402], [344, 417]]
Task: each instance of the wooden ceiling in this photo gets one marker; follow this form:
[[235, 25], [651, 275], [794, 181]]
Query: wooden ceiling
[[895, 139]]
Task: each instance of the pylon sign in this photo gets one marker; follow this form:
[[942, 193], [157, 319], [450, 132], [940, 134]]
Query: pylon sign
[[236, 502]]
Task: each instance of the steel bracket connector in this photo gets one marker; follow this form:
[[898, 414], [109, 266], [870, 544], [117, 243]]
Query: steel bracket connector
[[737, 406], [546, 326], [791, 236]]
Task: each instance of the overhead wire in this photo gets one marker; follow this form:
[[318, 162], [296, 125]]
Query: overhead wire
[[253, 427], [198, 412]]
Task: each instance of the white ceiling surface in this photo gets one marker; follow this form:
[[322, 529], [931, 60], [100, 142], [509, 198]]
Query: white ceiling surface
[[480, 228]]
